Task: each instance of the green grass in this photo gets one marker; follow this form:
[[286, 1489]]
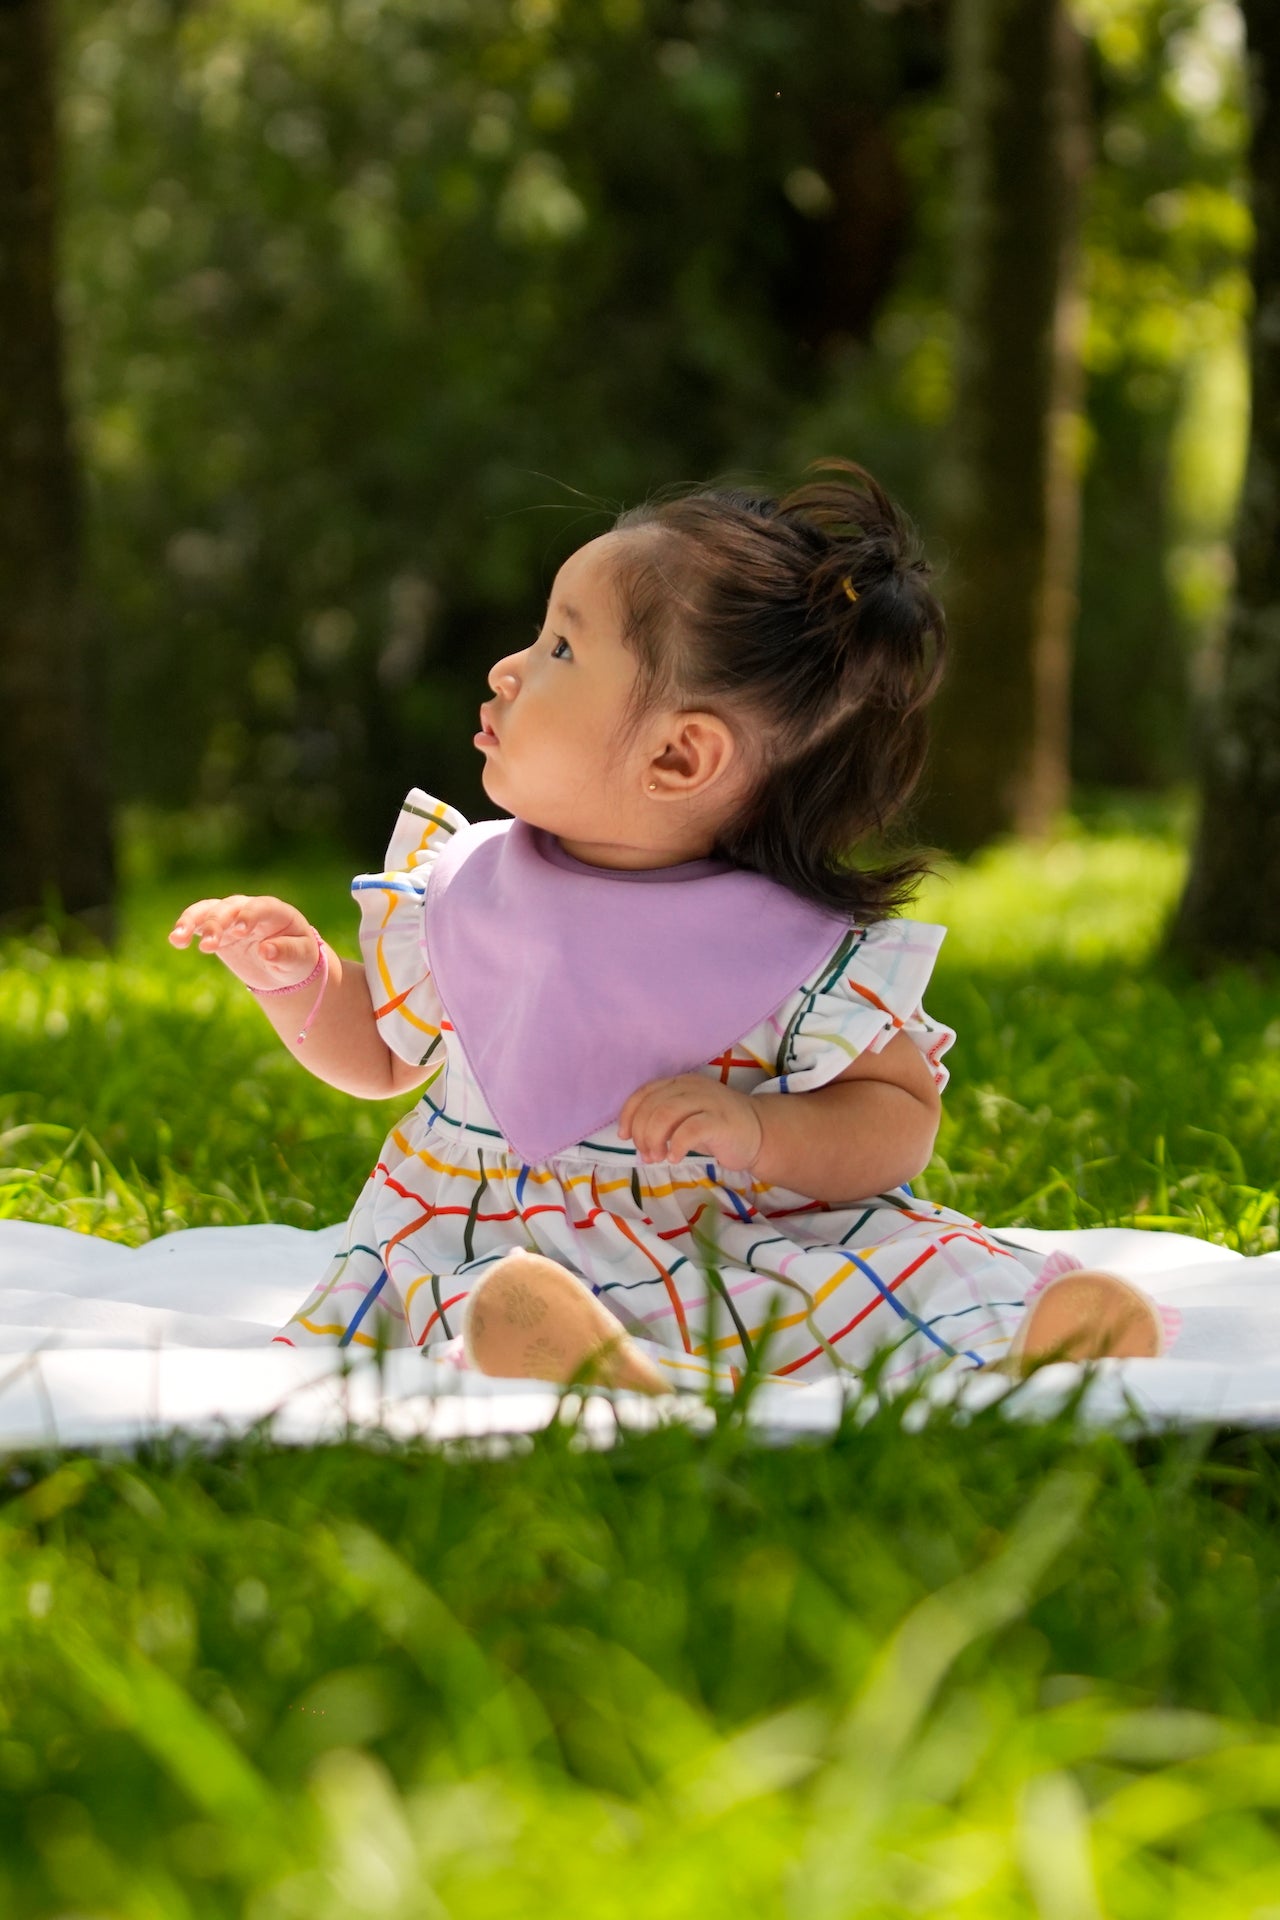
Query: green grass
[[147, 1092], [974, 1670]]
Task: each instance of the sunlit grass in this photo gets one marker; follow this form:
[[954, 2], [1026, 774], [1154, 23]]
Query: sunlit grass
[[1084, 899], [1094, 1083], [962, 1671], [147, 1092]]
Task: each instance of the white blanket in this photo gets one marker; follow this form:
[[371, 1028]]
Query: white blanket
[[105, 1345]]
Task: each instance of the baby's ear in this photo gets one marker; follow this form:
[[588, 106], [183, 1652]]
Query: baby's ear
[[704, 751]]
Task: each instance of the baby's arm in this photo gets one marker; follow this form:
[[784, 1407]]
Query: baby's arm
[[267, 943], [866, 1131]]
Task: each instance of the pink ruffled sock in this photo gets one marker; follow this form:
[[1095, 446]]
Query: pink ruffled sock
[[1056, 1264], [1171, 1321]]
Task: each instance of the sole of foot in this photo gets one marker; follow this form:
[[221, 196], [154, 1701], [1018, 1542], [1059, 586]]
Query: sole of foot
[[1087, 1315], [531, 1319]]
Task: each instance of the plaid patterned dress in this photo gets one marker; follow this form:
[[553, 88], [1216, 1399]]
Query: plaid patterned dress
[[708, 1267]]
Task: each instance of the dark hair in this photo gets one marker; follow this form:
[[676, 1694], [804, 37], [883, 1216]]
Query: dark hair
[[744, 606]]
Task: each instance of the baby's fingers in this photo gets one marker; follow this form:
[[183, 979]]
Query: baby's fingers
[[220, 929], [688, 1136], [634, 1101], [653, 1122], [269, 922], [191, 921]]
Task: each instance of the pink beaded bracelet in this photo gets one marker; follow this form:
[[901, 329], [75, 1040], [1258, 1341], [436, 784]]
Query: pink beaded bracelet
[[321, 965]]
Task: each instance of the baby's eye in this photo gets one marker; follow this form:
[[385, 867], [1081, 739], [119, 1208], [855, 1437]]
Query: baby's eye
[[555, 651]]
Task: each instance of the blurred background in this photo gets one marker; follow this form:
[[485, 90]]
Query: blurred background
[[372, 310]]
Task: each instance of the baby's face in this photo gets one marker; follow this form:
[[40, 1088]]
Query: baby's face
[[556, 714]]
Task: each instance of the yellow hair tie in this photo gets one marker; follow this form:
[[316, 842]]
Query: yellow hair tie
[[847, 584]]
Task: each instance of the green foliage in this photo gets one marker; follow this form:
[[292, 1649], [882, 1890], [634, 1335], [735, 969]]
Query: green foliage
[[363, 293], [376, 307]]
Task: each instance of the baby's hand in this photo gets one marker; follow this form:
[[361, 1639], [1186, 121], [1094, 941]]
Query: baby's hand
[[692, 1113], [264, 941]]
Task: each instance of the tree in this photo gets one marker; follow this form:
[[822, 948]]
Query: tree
[[1231, 906], [57, 834], [1010, 490]]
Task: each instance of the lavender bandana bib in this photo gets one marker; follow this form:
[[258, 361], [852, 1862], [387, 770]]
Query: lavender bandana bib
[[570, 985]]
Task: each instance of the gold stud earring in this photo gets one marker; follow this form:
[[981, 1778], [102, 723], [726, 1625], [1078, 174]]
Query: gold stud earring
[[653, 786]]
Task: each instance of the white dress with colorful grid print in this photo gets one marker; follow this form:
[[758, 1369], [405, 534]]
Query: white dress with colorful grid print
[[695, 1260]]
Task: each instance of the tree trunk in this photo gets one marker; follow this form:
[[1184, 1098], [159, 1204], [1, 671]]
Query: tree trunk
[[1231, 906], [1010, 490], [1130, 697], [55, 847]]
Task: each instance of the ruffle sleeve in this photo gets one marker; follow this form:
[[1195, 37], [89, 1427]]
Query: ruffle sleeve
[[867, 991], [405, 1003]]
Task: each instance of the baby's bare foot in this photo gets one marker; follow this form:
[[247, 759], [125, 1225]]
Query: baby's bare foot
[[529, 1318], [1087, 1315]]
